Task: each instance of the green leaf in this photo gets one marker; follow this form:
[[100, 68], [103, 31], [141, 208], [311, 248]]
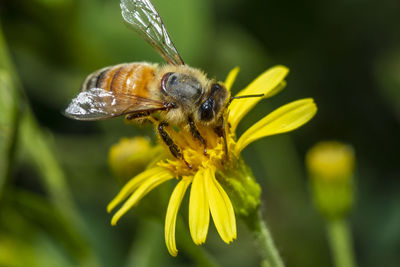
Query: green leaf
[[8, 125]]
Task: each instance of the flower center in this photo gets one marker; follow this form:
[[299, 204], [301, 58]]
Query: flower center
[[195, 154]]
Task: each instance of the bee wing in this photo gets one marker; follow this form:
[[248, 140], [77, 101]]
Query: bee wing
[[143, 17], [98, 104]]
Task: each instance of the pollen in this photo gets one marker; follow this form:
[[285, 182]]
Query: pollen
[[195, 154]]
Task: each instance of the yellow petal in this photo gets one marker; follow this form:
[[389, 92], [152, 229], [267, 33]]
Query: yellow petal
[[140, 192], [281, 120], [172, 212], [268, 83], [276, 90], [134, 183], [199, 212], [230, 79], [220, 207]]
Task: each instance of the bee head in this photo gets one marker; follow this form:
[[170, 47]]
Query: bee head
[[211, 106]]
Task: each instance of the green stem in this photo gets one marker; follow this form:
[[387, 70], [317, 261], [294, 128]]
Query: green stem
[[265, 243], [340, 241]]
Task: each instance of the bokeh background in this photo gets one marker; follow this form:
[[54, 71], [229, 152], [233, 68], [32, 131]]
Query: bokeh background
[[54, 179]]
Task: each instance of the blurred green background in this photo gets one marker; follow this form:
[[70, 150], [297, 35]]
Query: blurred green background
[[54, 178]]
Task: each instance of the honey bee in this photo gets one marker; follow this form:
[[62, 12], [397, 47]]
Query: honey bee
[[178, 93]]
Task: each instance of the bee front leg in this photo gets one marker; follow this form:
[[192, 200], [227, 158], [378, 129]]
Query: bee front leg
[[175, 151], [220, 130], [196, 134]]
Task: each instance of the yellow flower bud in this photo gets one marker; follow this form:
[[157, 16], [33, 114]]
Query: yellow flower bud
[[129, 157], [331, 160], [331, 166]]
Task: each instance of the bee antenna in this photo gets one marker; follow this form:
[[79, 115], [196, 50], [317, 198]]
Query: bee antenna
[[244, 96]]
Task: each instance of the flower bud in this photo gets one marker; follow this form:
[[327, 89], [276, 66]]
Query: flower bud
[[129, 157], [331, 167]]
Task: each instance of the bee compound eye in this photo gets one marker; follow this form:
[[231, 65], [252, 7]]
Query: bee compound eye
[[172, 79], [165, 81], [182, 88]]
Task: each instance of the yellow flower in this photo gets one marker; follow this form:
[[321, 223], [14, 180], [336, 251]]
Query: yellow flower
[[211, 169]]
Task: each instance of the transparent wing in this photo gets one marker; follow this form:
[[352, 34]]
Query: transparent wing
[[143, 17], [98, 104]]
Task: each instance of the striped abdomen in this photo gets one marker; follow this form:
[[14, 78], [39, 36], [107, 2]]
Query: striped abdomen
[[130, 78]]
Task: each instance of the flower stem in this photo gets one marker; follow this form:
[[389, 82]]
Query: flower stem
[[341, 243], [265, 243]]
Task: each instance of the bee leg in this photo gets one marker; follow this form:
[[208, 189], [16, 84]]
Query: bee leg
[[175, 151], [196, 134], [137, 115], [221, 132]]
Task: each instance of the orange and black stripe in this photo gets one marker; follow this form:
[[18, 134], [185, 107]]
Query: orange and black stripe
[[131, 78]]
